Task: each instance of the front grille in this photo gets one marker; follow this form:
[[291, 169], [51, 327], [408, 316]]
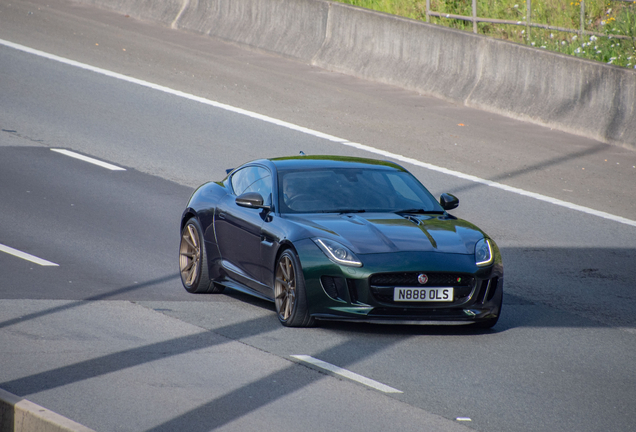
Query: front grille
[[410, 279], [382, 284]]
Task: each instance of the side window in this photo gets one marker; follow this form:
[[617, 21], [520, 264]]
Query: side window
[[263, 186], [243, 178], [253, 179]]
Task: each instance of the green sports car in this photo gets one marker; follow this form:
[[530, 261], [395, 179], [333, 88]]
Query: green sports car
[[340, 238]]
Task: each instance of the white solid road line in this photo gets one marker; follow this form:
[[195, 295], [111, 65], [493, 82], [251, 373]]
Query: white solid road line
[[26, 256], [89, 160], [328, 137], [501, 186], [346, 374]]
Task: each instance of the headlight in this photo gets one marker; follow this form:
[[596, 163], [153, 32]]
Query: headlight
[[483, 253], [338, 253]]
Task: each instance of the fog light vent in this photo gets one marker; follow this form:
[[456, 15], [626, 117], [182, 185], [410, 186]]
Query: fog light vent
[[335, 287]]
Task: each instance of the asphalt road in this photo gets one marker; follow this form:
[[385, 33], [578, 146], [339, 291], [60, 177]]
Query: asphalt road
[[110, 339]]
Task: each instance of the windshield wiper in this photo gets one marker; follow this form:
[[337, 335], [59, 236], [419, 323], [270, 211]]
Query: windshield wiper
[[420, 211]]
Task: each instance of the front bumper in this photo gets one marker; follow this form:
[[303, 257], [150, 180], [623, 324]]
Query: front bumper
[[355, 294]]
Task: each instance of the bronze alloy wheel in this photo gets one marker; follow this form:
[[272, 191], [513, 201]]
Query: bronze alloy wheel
[[285, 290], [289, 292], [193, 261], [189, 255]]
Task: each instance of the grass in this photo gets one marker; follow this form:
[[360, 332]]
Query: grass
[[608, 18]]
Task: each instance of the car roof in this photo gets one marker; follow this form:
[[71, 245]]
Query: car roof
[[311, 162]]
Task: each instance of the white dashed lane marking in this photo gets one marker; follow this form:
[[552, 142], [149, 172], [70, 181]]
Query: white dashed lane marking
[[89, 160], [26, 256], [346, 374]]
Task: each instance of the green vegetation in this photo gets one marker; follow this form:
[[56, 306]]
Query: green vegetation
[[608, 18]]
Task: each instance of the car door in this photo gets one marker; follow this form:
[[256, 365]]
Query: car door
[[238, 229]]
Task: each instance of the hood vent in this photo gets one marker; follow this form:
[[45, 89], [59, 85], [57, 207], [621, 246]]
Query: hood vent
[[413, 219]]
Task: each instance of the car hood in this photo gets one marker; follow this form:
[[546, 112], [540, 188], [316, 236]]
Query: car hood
[[367, 233]]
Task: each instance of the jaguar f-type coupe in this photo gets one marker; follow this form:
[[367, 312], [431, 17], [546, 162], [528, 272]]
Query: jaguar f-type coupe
[[340, 238]]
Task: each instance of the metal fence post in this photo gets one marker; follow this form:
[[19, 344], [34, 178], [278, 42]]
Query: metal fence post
[[474, 16], [582, 17], [528, 19], [428, 9]]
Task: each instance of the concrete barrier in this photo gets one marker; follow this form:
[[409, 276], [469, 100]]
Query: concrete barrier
[[563, 92], [163, 11], [20, 415], [289, 27]]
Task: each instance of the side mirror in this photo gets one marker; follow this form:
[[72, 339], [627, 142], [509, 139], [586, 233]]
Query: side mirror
[[448, 201], [251, 200]]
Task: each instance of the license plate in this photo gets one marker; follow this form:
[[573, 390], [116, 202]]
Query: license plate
[[423, 294]]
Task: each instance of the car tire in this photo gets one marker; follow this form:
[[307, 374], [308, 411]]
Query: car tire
[[289, 291], [193, 260]]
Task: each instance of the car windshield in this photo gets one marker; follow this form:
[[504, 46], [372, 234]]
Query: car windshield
[[348, 190]]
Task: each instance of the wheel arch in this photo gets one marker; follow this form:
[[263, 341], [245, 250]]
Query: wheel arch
[[283, 246], [187, 215]]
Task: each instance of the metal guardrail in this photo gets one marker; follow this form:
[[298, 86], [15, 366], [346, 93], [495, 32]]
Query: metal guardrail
[[528, 22]]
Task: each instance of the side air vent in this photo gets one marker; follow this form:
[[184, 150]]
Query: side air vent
[[483, 290], [353, 291], [335, 287], [492, 288]]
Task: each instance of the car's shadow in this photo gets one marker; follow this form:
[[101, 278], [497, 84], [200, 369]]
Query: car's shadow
[[380, 329]]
